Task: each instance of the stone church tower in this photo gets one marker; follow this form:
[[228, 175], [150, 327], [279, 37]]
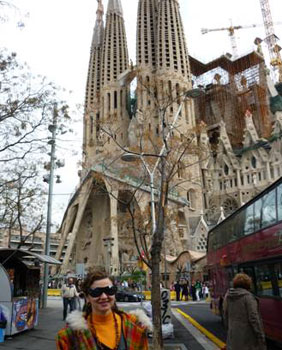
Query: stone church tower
[[240, 137], [106, 100], [163, 74]]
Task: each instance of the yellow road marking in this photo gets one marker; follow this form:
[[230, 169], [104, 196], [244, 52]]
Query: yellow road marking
[[208, 334]]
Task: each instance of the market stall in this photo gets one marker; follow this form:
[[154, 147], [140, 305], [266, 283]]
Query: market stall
[[20, 287]]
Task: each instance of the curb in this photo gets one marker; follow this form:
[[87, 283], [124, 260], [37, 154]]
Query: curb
[[208, 334]]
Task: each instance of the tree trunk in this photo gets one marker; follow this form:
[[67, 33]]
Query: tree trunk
[[156, 299], [156, 250]]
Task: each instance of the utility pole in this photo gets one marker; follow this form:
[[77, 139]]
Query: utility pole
[[52, 128]]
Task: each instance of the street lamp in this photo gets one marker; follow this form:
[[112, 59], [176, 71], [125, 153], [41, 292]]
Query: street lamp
[[49, 178], [52, 128]]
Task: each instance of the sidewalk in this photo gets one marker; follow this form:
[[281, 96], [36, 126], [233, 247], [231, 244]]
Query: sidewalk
[[43, 336], [50, 321]]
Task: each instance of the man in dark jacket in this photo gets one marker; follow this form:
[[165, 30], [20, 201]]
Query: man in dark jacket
[[177, 288]]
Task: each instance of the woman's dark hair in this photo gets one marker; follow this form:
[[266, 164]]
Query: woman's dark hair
[[242, 280], [93, 276]]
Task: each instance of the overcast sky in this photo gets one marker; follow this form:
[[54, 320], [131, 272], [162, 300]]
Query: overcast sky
[[56, 41]]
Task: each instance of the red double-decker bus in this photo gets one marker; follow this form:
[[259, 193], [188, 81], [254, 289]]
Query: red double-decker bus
[[250, 241]]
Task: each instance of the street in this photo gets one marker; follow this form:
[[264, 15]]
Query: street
[[202, 314], [186, 336]]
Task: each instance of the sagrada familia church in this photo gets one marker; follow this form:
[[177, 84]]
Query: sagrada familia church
[[235, 122]]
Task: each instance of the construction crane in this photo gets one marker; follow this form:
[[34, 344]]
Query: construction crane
[[232, 36], [271, 40]]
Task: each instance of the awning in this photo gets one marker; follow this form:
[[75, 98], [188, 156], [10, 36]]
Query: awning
[[6, 253]]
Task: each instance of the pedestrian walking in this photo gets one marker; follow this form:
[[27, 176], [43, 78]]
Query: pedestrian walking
[[185, 291], [205, 291], [242, 317], [79, 300], [198, 287], [193, 291], [103, 326], [69, 294], [177, 288]]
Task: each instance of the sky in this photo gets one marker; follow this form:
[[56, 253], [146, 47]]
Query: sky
[[56, 38]]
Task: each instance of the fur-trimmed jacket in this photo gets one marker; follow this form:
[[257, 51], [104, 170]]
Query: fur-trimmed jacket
[[77, 334]]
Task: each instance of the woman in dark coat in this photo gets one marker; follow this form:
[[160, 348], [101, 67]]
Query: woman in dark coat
[[185, 291], [242, 317]]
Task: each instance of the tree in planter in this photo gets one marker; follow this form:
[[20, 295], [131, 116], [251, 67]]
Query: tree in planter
[[168, 160]]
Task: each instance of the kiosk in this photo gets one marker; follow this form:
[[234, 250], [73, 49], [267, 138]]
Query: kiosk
[[20, 287]]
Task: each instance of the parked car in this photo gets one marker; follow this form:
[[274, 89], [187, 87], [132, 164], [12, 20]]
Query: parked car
[[125, 295]]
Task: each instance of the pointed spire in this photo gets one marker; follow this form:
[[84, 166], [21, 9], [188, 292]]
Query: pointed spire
[[99, 26], [114, 6], [100, 11]]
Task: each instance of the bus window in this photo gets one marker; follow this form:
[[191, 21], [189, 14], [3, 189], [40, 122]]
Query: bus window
[[279, 201], [266, 281], [249, 220], [269, 209], [233, 233], [257, 214], [249, 270], [278, 273], [240, 221]]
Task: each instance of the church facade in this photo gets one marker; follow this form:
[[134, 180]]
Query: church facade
[[231, 122]]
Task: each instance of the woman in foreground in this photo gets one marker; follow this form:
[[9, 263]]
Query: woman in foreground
[[242, 317], [102, 326]]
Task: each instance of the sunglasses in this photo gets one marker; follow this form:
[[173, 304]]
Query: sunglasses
[[97, 292]]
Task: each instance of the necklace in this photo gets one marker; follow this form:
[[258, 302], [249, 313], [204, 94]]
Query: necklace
[[100, 345]]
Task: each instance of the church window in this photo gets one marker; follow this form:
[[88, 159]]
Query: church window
[[121, 99], [242, 180], [226, 169], [191, 197], [109, 101], [115, 100], [92, 125]]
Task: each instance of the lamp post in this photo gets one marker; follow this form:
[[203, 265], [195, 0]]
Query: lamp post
[[52, 128]]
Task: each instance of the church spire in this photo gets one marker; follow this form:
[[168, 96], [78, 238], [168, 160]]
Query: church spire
[[115, 52], [100, 11], [172, 50], [93, 87], [114, 6], [146, 33], [99, 25]]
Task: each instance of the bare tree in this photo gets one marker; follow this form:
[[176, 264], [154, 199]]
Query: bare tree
[[26, 106], [172, 153], [22, 198]]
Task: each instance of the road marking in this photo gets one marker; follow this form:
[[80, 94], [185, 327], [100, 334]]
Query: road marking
[[203, 330]]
